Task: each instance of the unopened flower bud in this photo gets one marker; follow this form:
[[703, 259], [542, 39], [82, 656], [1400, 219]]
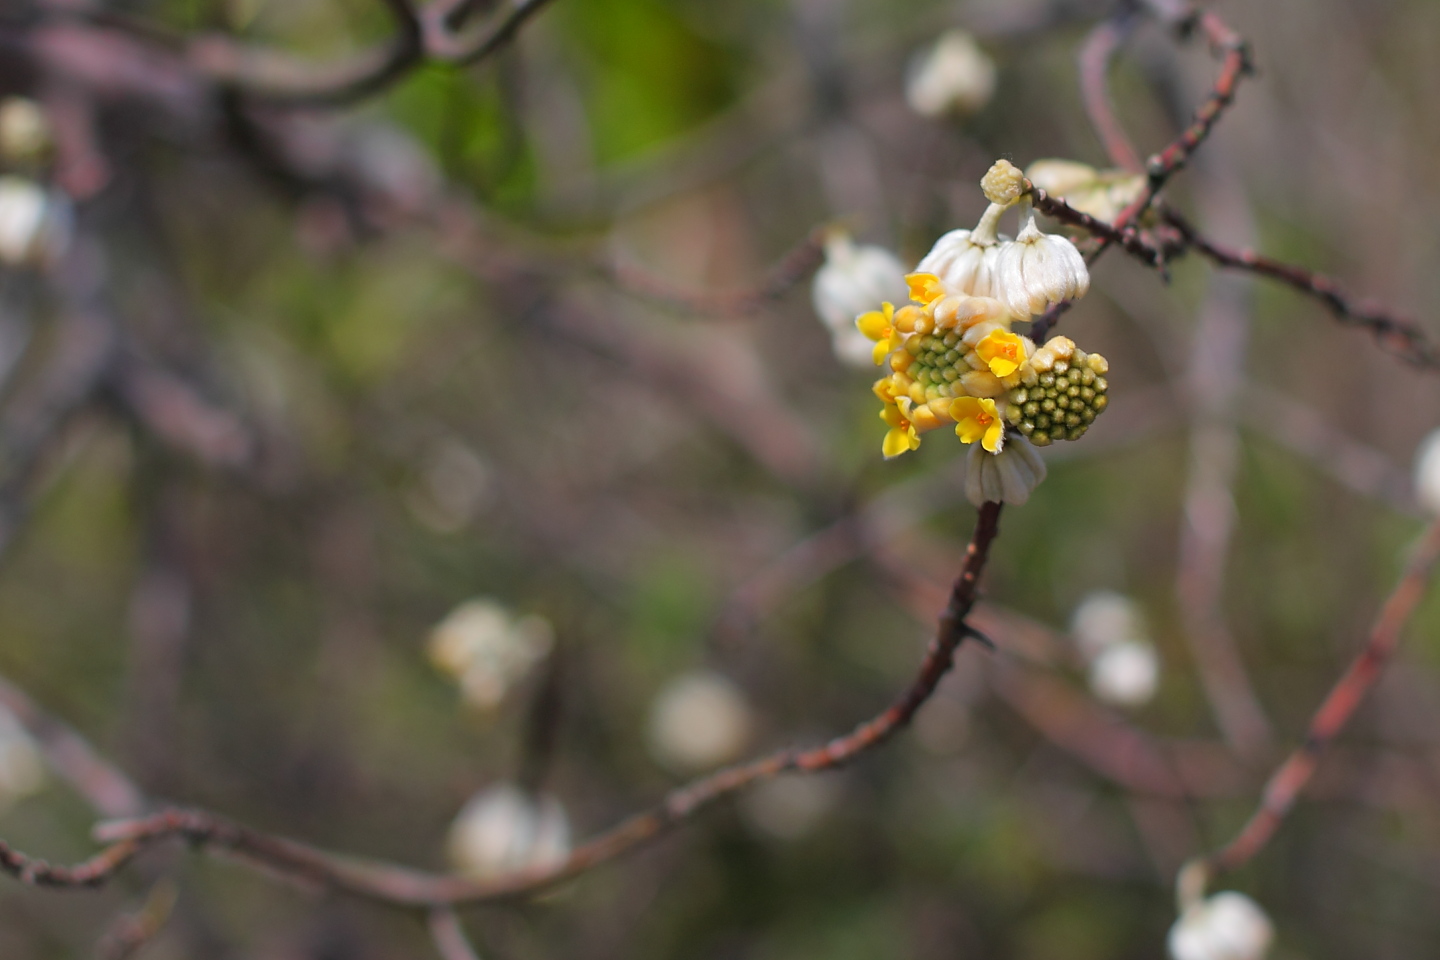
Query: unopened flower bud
[[952, 77], [1226, 926], [25, 137], [1103, 194], [1005, 477], [34, 224], [504, 829], [487, 649], [853, 280], [699, 721], [1038, 270], [1125, 674], [1003, 183], [1105, 618]]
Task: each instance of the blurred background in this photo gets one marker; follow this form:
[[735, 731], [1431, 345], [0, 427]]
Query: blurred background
[[475, 446]]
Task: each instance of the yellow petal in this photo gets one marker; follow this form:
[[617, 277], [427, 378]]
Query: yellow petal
[[925, 288], [994, 436], [1002, 351], [875, 324]]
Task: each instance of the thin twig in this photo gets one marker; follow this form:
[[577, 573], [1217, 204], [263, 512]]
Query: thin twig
[[1403, 338], [1335, 712], [449, 936], [1160, 167], [401, 886], [1095, 56]]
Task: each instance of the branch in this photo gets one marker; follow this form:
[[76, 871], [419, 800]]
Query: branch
[[1294, 774], [1160, 167], [1095, 56], [1402, 338], [449, 936], [401, 886]]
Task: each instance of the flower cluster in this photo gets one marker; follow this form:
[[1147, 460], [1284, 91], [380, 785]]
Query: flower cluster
[[954, 358]]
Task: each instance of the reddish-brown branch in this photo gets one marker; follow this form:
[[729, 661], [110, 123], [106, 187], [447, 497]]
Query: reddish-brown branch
[[401, 886], [1400, 337], [1235, 63], [1095, 56], [1294, 774]]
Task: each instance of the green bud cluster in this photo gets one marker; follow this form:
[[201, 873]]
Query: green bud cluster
[[1063, 402], [939, 363]]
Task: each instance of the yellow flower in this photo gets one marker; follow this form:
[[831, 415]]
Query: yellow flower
[[879, 325], [902, 436], [925, 288], [1003, 351], [977, 419]]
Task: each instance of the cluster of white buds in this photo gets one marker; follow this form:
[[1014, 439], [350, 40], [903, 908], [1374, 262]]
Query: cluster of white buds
[[1101, 193], [488, 650], [954, 358], [35, 222], [853, 279], [1124, 668], [699, 721], [505, 828], [1224, 926], [951, 77], [1427, 474]]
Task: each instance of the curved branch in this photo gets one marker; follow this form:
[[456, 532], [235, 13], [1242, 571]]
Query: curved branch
[[404, 887]]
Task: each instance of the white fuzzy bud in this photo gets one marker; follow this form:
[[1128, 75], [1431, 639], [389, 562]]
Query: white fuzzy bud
[[1226, 926], [1125, 674], [699, 721], [1103, 619], [34, 224], [1003, 183], [488, 649], [1005, 477], [1038, 270], [25, 137], [1101, 193], [954, 76], [854, 279], [1427, 473], [503, 829]]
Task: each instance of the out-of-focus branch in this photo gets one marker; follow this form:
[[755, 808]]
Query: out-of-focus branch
[[449, 936], [1235, 63], [108, 791], [1294, 774], [1395, 335], [401, 886], [130, 932], [1095, 56]]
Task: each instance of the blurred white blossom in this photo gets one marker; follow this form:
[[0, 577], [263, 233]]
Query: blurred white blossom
[[503, 828], [954, 76], [25, 136], [1125, 674], [1104, 618], [488, 649], [34, 223], [1110, 631], [699, 721], [1427, 473], [855, 278], [1226, 926]]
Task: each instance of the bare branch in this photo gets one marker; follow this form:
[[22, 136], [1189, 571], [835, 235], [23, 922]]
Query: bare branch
[[1294, 774]]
